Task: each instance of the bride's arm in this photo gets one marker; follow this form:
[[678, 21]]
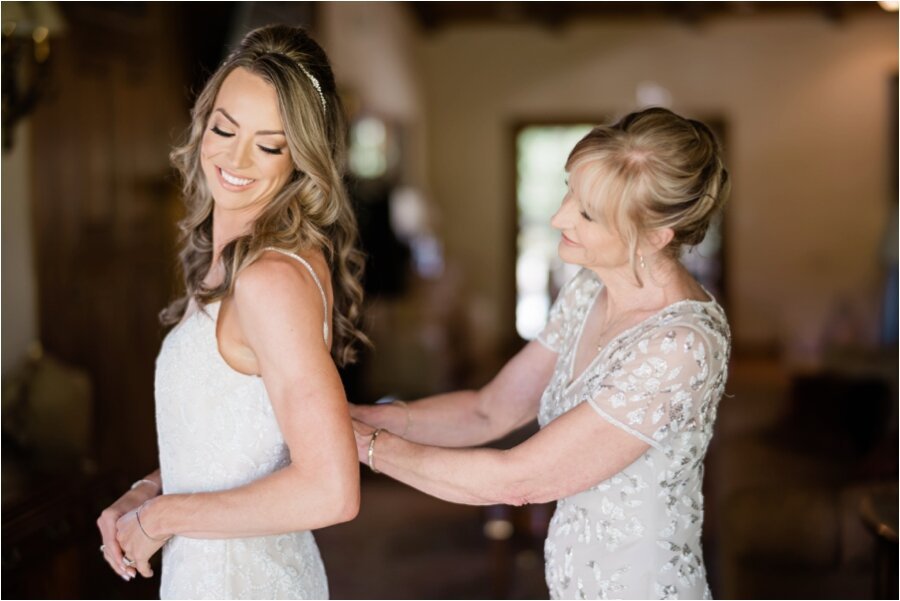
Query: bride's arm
[[280, 314], [471, 417]]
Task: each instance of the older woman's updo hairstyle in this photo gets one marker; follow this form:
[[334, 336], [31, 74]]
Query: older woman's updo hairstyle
[[652, 169]]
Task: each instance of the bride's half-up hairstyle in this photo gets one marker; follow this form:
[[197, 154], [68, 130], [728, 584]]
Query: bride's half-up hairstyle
[[312, 211]]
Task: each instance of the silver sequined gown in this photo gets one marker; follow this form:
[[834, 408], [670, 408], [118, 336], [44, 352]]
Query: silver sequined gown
[[637, 534], [217, 430]]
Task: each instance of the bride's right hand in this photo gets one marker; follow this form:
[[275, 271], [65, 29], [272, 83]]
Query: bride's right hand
[[106, 523]]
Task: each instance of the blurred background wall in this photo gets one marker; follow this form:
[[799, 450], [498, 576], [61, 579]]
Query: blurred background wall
[[803, 94], [796, 93]]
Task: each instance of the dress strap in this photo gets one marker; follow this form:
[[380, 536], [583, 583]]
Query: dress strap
[[315, 278]]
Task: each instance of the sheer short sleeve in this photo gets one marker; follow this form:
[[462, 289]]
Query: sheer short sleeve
[[560, 320], [655, 385]]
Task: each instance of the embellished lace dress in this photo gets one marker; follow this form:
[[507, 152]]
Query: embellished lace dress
[[216, 431], [637, 534]]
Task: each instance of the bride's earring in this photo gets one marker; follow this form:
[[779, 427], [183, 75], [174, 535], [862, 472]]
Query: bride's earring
[[643, 264]]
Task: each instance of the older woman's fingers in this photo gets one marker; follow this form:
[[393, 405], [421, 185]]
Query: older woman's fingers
[[361, 428]]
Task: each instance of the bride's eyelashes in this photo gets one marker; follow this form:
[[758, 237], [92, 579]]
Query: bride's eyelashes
[[215, 129], [267, 149]]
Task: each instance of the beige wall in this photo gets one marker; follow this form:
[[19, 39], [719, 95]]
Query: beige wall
[[372, 49], [805, 102]]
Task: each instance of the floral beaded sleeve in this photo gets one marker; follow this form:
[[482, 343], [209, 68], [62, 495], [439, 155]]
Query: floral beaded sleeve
[[652, 388], [560, 322]]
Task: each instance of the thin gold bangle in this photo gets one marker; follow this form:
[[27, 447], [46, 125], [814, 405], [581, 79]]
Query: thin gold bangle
[[408, 416], [372, 450], [141, 526]]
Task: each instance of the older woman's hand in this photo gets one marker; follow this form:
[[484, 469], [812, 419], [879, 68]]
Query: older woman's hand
[[359, 412], [135, 543], [393, 416], [363, 433]]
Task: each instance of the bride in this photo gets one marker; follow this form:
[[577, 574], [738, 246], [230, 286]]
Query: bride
[[255, 439]]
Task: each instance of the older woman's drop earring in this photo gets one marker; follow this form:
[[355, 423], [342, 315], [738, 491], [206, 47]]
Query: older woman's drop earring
[[643, 264]]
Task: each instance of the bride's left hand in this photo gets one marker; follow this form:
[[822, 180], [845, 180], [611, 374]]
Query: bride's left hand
[[363, 433], [136, 545]]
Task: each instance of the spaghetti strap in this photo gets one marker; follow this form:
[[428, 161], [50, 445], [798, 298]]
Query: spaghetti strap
[[312, 272]]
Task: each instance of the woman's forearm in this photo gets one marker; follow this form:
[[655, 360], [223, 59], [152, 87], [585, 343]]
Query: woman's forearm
[[284, 501], [470, 418], [575, 452], [456, 419], [467, 476], [151, 480]]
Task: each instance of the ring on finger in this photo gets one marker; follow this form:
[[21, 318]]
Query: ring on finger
[[128, 561]]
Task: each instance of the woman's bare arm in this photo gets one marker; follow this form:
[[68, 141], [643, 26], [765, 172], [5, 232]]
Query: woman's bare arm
[[471, 417], [280, 313], [574, 452]]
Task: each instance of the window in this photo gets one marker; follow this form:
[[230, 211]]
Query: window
[[541, 153]]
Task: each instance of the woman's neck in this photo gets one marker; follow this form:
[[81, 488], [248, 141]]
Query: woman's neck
[[228, 225], [664, 282]]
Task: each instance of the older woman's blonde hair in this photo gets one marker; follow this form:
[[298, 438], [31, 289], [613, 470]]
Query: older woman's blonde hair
[[312, 211], [652, 169]]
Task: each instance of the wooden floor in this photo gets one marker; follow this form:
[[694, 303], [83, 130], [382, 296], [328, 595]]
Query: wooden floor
[[406, 545]]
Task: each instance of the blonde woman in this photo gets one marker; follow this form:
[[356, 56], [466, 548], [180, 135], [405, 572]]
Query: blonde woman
[[255, 439], [624, 380]]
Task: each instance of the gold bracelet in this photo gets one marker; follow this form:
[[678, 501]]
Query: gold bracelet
[[408, 416], [372, 450], [137, 515]]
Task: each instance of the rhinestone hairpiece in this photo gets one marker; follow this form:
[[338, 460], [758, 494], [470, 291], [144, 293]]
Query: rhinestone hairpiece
[[310, 76], [315, 83]]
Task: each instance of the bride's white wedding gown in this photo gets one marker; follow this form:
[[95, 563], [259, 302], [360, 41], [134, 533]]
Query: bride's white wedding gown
[[217, 431]]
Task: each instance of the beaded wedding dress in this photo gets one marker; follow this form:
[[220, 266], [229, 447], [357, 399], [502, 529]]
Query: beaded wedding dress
[[217, 431], [637, 534]]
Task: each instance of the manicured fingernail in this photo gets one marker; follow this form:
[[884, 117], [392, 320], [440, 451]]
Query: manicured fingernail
[[125, 577]]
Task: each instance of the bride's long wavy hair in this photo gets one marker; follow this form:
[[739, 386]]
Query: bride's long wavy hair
[[312, 211]]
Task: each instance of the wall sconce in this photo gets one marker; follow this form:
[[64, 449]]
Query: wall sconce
[[27, 28]]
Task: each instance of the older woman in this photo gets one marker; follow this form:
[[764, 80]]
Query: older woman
[[255, 439], [624, 380]]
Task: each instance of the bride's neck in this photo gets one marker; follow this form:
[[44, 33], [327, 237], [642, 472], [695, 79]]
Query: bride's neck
[[228, 225]]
